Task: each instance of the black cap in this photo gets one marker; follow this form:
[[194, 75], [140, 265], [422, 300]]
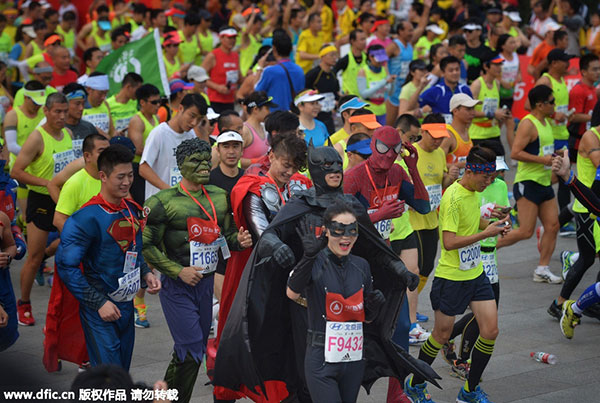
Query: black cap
[[494, 10], [558, 54]]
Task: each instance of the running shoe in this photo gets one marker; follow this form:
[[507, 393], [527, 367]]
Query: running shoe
[[555, 310], [417, 393], [477, 396], [39, 276], [417, 334], [140, 316], [460, 369], [569, 319], [448, 353], [24, 315], [593, 311], [544, 275], [422, 318], [539, 232], [565, 261], [567, 230], [84, 367]]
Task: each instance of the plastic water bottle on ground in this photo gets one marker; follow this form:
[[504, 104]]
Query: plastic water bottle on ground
[[544, 357]]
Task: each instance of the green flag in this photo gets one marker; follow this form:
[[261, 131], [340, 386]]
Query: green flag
[[143, 57]]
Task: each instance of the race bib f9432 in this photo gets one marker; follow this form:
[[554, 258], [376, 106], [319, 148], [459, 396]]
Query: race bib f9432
[[343, 341]]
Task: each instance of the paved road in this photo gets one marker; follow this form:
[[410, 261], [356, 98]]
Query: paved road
[[512, 376]]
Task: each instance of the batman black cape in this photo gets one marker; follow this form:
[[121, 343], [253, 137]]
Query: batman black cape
[[256, 339]]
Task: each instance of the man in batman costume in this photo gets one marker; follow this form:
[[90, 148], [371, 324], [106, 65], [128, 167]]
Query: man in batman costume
[[265, 330]]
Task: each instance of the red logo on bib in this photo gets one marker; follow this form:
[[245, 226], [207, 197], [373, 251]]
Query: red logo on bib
[[202, 231], [340, 309]]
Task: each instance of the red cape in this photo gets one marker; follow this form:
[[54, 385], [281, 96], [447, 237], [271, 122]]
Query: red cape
[[276, 390]]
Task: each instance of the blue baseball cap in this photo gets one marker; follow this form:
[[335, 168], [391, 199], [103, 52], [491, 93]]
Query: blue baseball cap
[[354, 103], [361, 147], [124, 141]]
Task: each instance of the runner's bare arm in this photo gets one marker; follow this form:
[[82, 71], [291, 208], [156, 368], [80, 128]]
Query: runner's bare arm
[[59, 180], [33, 147], [148, 173]]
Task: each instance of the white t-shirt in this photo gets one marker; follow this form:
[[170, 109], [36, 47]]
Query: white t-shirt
[[541, 27], [159, 154], [510, 69]]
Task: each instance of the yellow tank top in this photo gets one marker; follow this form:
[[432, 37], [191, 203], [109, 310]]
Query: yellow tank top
[[485, 128], [431, 168], [68, 37], [376, 101], [171, 68], [98, 116], [36, 49], [459, 154], [532, 171], [206, 43], [586, 172], [402, 226], [188, 50], [147, 129], [561, 96], [102, 43], [349, 75], [247, 54], [56, 155], [25, 126]]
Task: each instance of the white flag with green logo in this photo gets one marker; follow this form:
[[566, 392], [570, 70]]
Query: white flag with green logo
[[143, 57]]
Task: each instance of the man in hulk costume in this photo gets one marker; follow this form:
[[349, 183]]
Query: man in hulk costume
[[189, 228]]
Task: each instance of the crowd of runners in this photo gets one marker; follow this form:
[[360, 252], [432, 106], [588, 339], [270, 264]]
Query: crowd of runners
[[287, 192]]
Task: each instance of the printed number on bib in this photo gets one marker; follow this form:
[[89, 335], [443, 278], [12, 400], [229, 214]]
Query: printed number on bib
[[489, 266], [562, 109], [129, 284], [384, 227], [343, 341], [175, 176], [490, 105], [61, 160], [447, 118], [469, 256], [435, 195], [77, 148], [548, 150], [204, 256], [231, 76]]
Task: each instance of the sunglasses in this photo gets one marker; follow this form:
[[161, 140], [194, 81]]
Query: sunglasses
[[382, 148], [550, 101], [172, 45], [155, 102], [338, 230]]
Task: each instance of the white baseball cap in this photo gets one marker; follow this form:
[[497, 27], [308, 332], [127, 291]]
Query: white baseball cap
[[513, 16], [308, 96], [462, 100], [229, 135], [435, 29], [211, 114], [501, 164], [197, 73]]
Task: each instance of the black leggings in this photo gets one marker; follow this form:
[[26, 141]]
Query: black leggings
[[332, 382], [587, 253], [467, 326], [427, 243]]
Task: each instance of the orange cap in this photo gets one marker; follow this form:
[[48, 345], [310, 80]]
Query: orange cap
[[369, 120], [52, 39], [437, 130]]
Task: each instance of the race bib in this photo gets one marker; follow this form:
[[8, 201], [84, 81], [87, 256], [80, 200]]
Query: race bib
[[489, 266], [343, 341], [205, 256], [327, 103], [129, 284], [490, 105], [77, 148], [99, 120], [404, 69], [174, 176], [469, 256], [384, 227], [61, 160], [563, 109], [435, 195], [231, 76], [548, 150], [447, 118]]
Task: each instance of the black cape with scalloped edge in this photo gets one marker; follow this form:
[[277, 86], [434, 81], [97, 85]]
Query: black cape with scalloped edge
[[256, 343]]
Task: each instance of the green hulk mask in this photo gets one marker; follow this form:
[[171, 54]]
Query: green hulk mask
[[194, 160]]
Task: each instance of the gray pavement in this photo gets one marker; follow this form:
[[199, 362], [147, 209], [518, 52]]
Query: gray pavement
[[511, 376]]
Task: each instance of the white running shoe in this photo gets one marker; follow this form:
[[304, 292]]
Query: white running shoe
[[544, 275], [417, 334]]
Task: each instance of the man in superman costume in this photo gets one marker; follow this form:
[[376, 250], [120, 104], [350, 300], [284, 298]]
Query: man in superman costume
[[255, 201], [105, 236], [258, 344]]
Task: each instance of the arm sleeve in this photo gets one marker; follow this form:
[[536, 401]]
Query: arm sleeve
[[255, 215], [11, 140], [341, 64], [414, 193], [587, 196], [365, 92], [75, 241], [154, 232]]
